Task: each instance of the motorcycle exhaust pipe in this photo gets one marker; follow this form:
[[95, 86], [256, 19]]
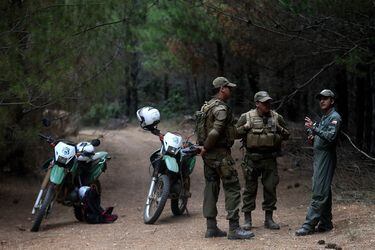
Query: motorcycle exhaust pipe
[[37, 201], [153, 182]]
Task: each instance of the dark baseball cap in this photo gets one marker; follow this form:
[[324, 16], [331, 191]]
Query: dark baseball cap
[[221, 82]]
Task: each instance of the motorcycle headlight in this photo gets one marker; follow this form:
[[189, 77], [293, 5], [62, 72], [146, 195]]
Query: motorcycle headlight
[[172, 150], [62, 159]]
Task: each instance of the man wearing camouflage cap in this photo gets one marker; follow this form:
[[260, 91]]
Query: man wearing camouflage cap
[[262, 130], [215, 132], [324, 137]]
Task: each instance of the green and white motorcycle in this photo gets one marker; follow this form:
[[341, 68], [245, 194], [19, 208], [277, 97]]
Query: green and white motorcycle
[[72, 166], [172, 165]]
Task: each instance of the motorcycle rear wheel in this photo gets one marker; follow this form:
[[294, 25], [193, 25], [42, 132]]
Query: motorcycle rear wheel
[[159, 194], [50, 194]]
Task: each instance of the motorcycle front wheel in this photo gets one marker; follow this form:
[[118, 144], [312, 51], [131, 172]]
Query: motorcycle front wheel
[[159, 192], [46, 203]]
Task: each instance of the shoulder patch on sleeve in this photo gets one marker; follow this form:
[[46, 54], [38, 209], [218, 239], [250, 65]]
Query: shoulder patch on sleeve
[[219, 107]]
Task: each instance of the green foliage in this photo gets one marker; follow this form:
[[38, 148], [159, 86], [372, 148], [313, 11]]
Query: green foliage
[[175, 104], [52, 56], [171, 33], [100, 112]]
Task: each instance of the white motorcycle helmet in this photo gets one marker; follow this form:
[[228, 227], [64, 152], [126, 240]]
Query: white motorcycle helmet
[[148, 117], [86, 151]]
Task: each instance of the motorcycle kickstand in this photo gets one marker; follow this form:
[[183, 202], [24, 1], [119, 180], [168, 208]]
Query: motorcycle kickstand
[[187, 212]]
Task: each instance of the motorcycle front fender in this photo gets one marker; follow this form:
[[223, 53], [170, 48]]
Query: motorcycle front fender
[[57, 174], [171, 163]]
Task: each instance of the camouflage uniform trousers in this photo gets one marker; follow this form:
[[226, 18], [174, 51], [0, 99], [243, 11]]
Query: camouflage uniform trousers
[[254, 166], [219, 165]]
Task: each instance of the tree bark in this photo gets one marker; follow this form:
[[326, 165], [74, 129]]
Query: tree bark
[[372, 84], [360, 106], [343, 97], [195, 80], [166, 86], [134, 73], [188, 91], [368, 112], [220, 59]]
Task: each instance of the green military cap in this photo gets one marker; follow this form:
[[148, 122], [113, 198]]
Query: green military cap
[[221, 82], [262, 96], [326, 93]]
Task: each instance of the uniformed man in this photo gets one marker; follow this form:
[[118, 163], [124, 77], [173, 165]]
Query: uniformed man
[[262, 130], [218, 124], [324, 136]]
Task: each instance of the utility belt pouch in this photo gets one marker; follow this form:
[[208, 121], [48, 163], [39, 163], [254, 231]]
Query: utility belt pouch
[[254, 157], [226, 169], [253, 137], [266, 140], [212, 160]]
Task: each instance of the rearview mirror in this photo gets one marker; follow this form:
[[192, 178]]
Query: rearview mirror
[[46, 122], [95, 142]]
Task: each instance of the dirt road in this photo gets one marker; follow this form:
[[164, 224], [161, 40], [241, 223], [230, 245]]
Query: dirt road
[[125, 185]]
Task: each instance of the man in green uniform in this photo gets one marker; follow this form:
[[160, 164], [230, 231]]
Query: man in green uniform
[[216, 135], [324, 136], [262, 130]]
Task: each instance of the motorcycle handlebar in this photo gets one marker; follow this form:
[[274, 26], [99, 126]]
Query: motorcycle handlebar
[[49, 139], [192, 149]]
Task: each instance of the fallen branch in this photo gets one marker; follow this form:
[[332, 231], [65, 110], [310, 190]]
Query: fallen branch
[[359, 150]]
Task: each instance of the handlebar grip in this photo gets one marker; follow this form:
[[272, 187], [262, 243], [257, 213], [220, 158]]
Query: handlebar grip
[[43, 136], [49, 139], [192, 150]]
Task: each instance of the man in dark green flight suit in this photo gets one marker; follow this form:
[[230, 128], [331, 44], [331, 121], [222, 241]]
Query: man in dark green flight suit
[[324, 136], [219, 164], [262, 130]]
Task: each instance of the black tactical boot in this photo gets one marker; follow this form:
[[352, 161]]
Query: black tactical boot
[[248, 222], [237, 233], [269, 223], [322, 228], [213, 230], [303, 231]]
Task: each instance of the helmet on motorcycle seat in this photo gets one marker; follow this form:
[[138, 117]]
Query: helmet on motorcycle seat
[[148, 117], [86, 151]]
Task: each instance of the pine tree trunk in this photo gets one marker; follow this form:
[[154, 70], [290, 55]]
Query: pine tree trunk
[[220, 59], [343, 97], [360, 106], [166, 86], [188, 91], [196, 89], [372, 87], [367, 129], [134, 72]]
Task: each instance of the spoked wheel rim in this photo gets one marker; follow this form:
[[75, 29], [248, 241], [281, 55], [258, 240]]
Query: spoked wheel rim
[[156, 199]]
